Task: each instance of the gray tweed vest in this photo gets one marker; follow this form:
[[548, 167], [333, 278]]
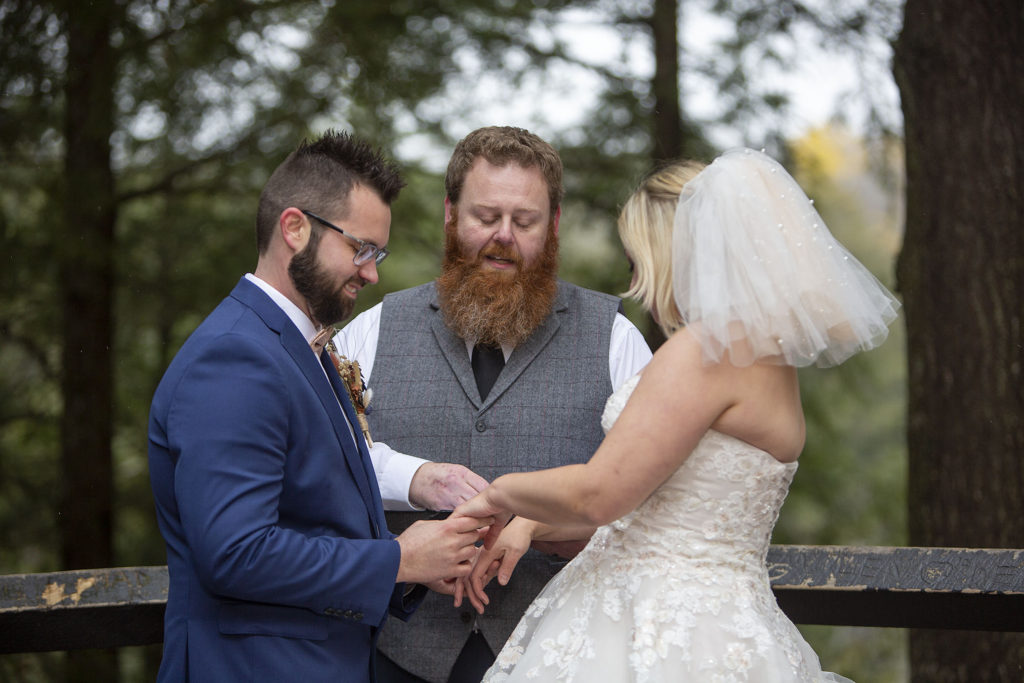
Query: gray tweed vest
[[543, 411]]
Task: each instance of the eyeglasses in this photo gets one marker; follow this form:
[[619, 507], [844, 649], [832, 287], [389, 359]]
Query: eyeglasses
[[366, 252]]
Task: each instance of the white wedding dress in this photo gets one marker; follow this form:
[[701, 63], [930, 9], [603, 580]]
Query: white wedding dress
[[676, 590]]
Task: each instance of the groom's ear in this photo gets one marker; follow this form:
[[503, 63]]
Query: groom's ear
[[294, 228]]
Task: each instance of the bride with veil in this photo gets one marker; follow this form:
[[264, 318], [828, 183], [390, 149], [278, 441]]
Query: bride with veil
[[680, 500]]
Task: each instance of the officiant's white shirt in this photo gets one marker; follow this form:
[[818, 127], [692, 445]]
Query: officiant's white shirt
[[628, 353]]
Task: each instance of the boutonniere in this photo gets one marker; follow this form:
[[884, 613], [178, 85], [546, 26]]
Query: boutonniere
[[352, 378]]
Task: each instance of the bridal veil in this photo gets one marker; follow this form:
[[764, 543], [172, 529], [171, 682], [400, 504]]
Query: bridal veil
[[757, 274]]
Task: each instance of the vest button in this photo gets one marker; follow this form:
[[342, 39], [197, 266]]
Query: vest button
[[481, 426]]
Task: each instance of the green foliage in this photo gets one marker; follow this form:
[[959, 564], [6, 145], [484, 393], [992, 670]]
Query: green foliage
[[765, 34], [30, 401]]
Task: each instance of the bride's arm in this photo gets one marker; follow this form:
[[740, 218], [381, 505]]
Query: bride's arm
[[677, 399], [554, 534]]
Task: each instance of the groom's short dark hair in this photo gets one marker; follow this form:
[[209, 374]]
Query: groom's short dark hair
[[318, 177]]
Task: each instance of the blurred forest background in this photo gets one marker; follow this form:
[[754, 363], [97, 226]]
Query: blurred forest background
[[135, 136]]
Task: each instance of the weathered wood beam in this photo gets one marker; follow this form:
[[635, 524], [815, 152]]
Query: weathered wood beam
[[90, 608], [941, 588], [944, 588]]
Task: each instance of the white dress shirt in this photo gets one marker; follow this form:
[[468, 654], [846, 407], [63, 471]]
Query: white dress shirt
[[628, 353]]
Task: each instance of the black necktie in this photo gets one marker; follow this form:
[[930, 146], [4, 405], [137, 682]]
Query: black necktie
[[474, 659], [487, 362]]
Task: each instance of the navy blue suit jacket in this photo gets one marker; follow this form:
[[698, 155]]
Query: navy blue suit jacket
[[281, 565]]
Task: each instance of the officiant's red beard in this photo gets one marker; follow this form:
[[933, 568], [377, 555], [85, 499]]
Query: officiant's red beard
[[496, 306]]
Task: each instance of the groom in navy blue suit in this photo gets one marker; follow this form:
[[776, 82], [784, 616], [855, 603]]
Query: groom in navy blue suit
[[281, 565]]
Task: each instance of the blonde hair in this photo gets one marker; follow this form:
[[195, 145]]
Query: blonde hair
[[645, 228]]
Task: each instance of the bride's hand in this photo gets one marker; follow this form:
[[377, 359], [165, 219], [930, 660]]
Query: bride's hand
[[462, 589], [500, 560], [475, 506]]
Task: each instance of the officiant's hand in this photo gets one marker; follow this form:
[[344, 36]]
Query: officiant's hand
[[500, 560], [444, 485]]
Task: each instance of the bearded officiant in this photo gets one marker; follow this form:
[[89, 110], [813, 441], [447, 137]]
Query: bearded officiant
[[497, 366]]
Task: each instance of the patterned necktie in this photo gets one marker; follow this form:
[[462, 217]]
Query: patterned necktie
[[487, 362]]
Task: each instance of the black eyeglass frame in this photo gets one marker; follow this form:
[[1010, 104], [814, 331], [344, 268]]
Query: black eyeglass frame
[[366, 251]]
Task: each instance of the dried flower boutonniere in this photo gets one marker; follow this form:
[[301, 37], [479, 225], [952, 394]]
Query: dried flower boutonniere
[[352, 378]]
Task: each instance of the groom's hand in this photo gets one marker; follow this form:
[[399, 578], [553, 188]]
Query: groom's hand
[[444, 586], [444, 485], [435, 550]]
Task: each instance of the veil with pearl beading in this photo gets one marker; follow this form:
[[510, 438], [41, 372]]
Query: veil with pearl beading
[[757, 274]]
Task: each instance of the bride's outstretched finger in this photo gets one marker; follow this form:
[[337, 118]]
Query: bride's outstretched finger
[[500, 560], [512, 544], [481, 576], [474, 584], [507, 566], [460, 591], [461, 587], [464, 589]]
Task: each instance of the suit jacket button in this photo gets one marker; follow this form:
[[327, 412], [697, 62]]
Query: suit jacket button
[[481, 426], [466, 617]]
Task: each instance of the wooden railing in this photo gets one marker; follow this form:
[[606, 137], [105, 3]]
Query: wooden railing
[[944, 588]]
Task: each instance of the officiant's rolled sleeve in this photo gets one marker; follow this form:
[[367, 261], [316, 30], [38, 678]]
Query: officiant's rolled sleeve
[[394, 472]]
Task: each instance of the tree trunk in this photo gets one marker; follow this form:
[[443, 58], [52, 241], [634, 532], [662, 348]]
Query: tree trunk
[[668, 117], [958, 64], [85, 250]]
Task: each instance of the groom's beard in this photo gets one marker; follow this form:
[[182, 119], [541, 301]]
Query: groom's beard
[[328, 303], [491, 306]]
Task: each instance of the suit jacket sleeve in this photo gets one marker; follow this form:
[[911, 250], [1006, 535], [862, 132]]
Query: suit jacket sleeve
[[406, 598]]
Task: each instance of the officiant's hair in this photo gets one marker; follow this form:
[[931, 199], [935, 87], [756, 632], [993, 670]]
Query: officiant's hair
[[318, 177], [502, 145], [645, 228]]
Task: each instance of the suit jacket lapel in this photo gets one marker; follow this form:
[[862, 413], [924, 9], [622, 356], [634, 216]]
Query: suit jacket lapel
[[330, 393], [359, 462]]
